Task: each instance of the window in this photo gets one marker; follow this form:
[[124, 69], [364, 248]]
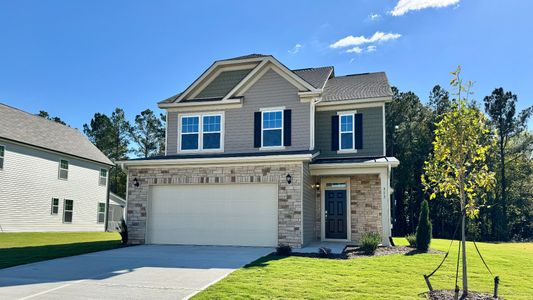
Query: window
[[189, 133], [103, 177], [211, 132], [201, 132], [101, 212], [2, 153], [55, 206], [346, 132], [272, 128], [63, 169], [68, 209]]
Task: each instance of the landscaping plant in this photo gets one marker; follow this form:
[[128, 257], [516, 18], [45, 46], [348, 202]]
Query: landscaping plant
[[284, 250], [423, 230], [370, 242], [124, 232], [411, 239], [457, 168]]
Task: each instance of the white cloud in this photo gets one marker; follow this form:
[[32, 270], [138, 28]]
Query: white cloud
[[359, 40], [371, 48], [355, 50], [374, 17], [295, 49], [404, 6]]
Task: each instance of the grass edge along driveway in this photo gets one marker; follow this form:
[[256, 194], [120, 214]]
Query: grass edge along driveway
[[385, 277], [28, 247]]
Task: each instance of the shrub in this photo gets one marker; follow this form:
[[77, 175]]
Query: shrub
[[370, 242], [123, 230], [411, 239], [324, 252], [423, 230], [284, 250]]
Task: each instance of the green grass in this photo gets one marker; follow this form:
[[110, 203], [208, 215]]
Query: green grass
[[385, 277], [23, 248]]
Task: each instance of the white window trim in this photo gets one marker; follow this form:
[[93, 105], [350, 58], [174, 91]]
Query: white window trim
[[3, 157], [353, 149], [100, 177], [65, 210], [59, 171], [98, 213], [52, 206], [201, 132], [277, 109]]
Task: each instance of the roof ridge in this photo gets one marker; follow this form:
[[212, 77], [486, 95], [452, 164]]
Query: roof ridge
[[38, 117], [311, 68], [358, 74]]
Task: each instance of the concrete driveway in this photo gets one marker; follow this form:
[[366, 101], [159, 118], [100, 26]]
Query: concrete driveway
[[139, 272]]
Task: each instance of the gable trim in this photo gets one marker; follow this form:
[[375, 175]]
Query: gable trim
[[201, 86]]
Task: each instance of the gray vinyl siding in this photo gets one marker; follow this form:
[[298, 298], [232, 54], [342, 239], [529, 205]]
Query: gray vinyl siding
[[271, 90], [309, 206], [224, 82], [30, 181], [372, 133]]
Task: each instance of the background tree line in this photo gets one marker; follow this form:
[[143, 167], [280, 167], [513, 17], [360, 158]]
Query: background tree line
[[508, 212], [117, 138]]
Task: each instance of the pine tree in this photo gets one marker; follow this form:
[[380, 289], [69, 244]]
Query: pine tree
[[423, 230]]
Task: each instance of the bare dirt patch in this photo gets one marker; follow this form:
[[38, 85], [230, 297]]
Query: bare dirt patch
[[448, 294], [356, 252]]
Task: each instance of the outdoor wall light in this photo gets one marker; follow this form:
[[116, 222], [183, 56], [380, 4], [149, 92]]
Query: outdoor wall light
[[135, 182], [289, 178], [317, 186]]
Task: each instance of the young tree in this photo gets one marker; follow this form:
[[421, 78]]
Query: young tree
[[423, 230], [457, 167], [44, 114], [501, 108], [148, 133]]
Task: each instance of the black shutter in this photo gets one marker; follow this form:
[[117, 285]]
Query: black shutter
[[257, 129], [287, 124], [335, 133], [358, 124]]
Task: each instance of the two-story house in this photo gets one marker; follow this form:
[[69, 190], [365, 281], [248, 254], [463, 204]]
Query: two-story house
[[261, 155], [52, 178]]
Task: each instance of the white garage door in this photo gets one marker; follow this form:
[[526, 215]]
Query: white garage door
[[229, 214]]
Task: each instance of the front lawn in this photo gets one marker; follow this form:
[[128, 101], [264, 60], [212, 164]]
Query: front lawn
[[385, 277], [23, 248]]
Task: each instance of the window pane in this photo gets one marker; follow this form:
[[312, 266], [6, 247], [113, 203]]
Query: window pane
[[101, 207], [69, 204], [346, 141], [64, 164], [67, 217], [101, 218], [347, 123], [189, 124], [211, 141], [272, 119], [103, 172], [63, 174], [211, 124], [2, 149], [189, 141], [1, 162], [272, 138]]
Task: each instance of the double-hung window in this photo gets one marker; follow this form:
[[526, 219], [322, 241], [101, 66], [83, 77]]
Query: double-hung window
[[201, 132], [63, 169], [272, 128], [101, 213], [68, 210], [55, 206], [103, 177], [346, 132], [2, 153]]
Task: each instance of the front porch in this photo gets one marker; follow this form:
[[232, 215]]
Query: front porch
[[351, 199]]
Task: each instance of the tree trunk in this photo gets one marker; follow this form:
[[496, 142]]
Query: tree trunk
[[463, 243], [503, 222]]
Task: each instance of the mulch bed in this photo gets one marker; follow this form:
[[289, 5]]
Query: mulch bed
[[356, 252], [448, 294]]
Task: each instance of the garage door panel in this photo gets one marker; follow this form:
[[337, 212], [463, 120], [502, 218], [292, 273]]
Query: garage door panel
[[239, 214]]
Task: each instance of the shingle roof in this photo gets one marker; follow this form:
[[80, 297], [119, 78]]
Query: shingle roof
[[315, 76], [357, 86], [23, 127]]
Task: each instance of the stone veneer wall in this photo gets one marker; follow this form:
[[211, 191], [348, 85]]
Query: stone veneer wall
[[289, 195], [365, 203]]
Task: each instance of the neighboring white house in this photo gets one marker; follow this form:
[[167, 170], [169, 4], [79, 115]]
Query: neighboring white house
[[52, 178], [116, 210]]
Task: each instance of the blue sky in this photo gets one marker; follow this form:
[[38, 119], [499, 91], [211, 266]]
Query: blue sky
[[75, 58]]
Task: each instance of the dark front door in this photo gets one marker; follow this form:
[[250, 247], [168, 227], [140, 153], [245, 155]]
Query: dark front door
[[336, 214]]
